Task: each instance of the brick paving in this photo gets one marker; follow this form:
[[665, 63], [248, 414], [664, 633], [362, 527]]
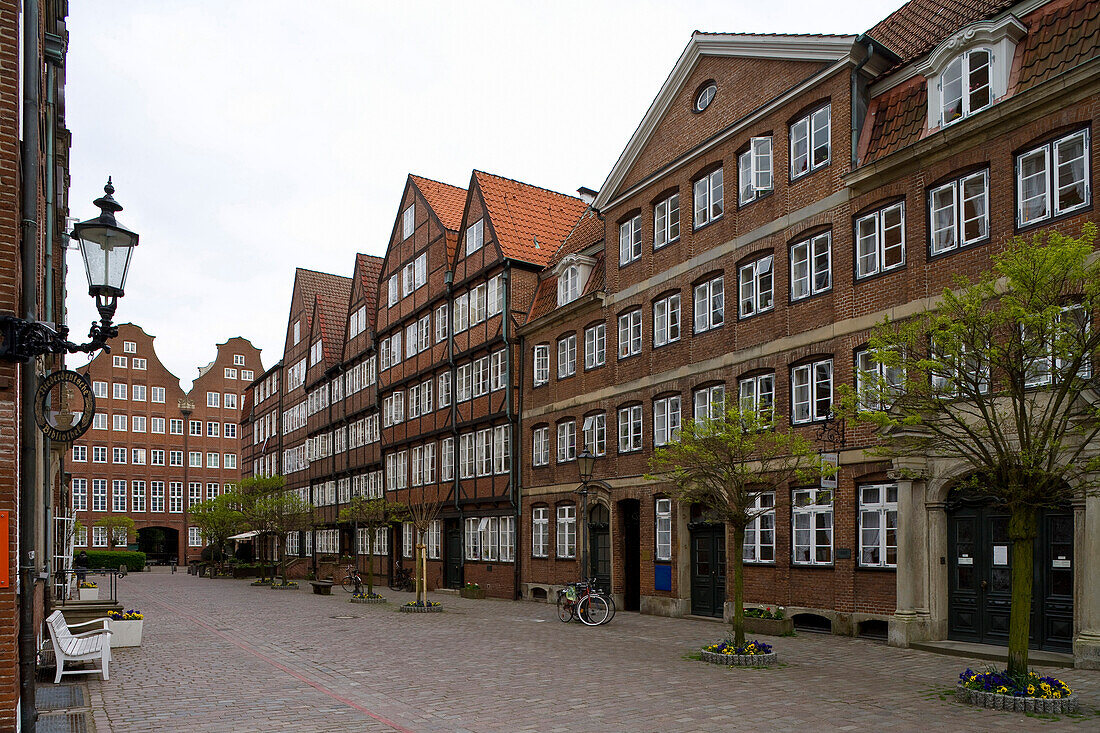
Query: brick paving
[[221, 655]]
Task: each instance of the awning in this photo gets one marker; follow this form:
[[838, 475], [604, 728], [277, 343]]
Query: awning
[[245, 535]]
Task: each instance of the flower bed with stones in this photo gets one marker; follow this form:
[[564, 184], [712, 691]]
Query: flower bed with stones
[[1020, 704], [432, 607], [1024, 693], [375, 598], [751, 654], [280, 586]]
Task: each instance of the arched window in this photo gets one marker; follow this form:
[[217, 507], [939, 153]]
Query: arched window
[[965, 85]]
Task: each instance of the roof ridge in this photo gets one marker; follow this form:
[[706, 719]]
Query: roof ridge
[[528, 185], [774, 35], [433, 180], [319, 272]]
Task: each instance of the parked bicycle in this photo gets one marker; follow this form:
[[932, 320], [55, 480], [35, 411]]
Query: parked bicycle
[[583, 601], [402, 579], [353, 581]]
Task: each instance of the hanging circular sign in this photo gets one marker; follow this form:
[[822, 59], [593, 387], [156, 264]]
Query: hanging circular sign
[[64, 406]]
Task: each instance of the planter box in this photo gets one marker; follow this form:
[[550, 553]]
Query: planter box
[[996, 701], [367, 600], [421, 609], [741, 660], [769, 626], [290, 586], [125, 633], [88, 594], [477, 593]]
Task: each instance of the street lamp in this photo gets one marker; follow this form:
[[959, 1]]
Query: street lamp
[[586, 462], [106, 247]]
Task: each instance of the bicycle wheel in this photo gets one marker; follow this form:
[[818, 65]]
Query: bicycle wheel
[[593, 610], [566, 608], [610, 605], [348, 584]]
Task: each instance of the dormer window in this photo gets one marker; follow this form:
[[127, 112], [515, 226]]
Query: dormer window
[[965, 85], [475, 236], [572, 273]]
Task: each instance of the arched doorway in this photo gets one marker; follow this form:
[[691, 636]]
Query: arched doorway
[[979, 559], [160, 544], [708, 564], [599, 546]]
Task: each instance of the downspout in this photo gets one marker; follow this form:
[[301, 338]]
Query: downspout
[[28, 378], [856, 116], [510, 413], [449, 282]]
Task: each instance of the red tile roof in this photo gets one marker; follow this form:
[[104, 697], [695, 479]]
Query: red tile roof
[[333, 309], [1058, 39], [916, 27], [587, 231], [317, 286], [596, 278], [311, 283], [369, 268], [447, 201], [530, 222], [897, 119], [546, 298]]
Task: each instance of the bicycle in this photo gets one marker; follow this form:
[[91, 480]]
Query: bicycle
[[403, 580], [352, 582], [579, 600]]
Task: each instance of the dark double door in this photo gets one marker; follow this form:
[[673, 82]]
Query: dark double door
[[980, 578], [599, 546], [708, 570], [452, 554]]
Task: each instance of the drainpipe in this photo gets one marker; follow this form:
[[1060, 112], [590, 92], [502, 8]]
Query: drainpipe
[[449, 281], [510, 412], [28, 379], [856, 116]]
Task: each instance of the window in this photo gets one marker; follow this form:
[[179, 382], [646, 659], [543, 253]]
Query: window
[[760, 531], [757, 287], [156, 425], [466, 460], [138, 394], [1070, 332], [129, 347], [118, 495], [441, 318], [567, 531], [595, 434], [447, 459], [80, 537], [314, 356], [666, 420], [1045, 190], [481, 376], [213, 399], [175, 497], [666, 320], [408, 221], [156, 457], [194, 459], [392, 293], [811, 266], [410, 340], [464, 376], [502, 449], [540, 531], [99, 421], [195, 427], [157, 394], [238, 359], [175, 426], [462, 313], [959, 212], [118, 391], [99, 495], [758, 394], [707, 192], [569, 285], [666, 221], [507, 539], [630, 428], [99, 389], [444, 389], [709, 402], [630, 240], [595, 346], [406, 539], [498, 371], [137, 456], [874, 379], [812, 519], [247, 375], [878, 526], [213, 429], [496, 295], [472, 536], [880, 240], [630, 334], [567, 356], [80, 494], [540, 446], [663, 529], [567, 441], [478, 304], [230, 373], [118, 455], [119, 361], [80, 453], [812, 391], [542, 364], [229, 460], [484, 452], [435, 534], [705, 96], [99, 534], [710, 304], [194, 537], [810, 143], [139, 363], [175, 458], [137, 497], [156, 496], [488, 529], [964, 85], [754, 170], [229, 430], [99, 454], [475, 236], [118, 423]]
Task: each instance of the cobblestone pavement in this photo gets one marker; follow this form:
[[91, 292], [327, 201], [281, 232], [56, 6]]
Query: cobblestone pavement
[[221, 655]]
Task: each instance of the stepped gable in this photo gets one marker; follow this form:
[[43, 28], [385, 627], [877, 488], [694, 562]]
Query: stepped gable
[[530, 222]]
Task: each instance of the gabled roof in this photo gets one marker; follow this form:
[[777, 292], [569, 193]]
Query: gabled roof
[[311, 283], [916, 27], [369, 268], [332, 309], [530, 222], [447, 201], [587, 231], [748, 45]]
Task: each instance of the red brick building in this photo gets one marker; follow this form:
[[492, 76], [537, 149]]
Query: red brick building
[[825, 182], [153, 451]]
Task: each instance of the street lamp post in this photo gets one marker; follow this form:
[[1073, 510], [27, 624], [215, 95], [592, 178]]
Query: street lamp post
[[585, 463]]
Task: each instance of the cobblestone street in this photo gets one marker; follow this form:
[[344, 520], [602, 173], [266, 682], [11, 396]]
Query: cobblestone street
[[221, 655]]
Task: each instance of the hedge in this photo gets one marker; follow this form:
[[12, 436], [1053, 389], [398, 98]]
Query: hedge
[[133, 560]]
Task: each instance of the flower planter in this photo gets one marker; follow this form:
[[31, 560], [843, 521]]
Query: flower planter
[[769, 626], [288, 586], [1020, 704], [741, 660], [477, 593], [89, 594], [260, 582], [379, 599], [125, 633], [421, 609]]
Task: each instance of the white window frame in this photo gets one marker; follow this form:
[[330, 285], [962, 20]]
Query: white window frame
[[1051, 178], [566, 544], [756, 286], [811, 266], [595, 346], [666, 221], [662, 530], [707, 198], [666, 320], [760, 531], [807, 383], [567, 441], [408, 221], [540, 446], [540, 531], [868, 369], [709, 304], [872, 247], [630, 240], [541, 371], [630, 428], [962, 64], [876, 508], [569, 285], [947, 213], [567, 356], [813, 510], [475, 236], [755, 176], [666, 419], [812, 132], [758, 393], [594, 429], [630, 333]]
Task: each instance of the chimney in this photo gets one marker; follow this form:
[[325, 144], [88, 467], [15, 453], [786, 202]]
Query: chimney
[[587, 195]]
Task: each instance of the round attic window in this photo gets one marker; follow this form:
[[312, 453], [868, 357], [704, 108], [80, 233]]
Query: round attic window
[[705, 96]]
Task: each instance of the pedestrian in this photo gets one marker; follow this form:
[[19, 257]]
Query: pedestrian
[[81, 565]]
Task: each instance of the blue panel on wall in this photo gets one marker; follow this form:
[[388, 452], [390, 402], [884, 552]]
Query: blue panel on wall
[[662, 577]]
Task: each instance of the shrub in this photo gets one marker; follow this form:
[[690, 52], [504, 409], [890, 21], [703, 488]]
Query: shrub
[[132, 559]]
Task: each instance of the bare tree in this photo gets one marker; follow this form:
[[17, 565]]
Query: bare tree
[[422, 511]]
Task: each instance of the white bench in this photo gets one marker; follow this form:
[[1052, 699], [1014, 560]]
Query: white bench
[[95, 644]]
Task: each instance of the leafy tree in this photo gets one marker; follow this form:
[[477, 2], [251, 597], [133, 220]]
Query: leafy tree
[[281, 513], [219, 519], [1000, 374], [249, 491], [724, 463], [371, 515], [119, 526]]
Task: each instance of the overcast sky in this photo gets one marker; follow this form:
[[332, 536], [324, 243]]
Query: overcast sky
[[247, 138]]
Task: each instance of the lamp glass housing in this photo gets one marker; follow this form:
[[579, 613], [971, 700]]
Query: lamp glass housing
[[586, 462], [106, 250]]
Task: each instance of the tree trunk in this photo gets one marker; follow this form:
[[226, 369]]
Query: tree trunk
[[1022, 530], [421, 595], [737, 557], [370, 564]]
